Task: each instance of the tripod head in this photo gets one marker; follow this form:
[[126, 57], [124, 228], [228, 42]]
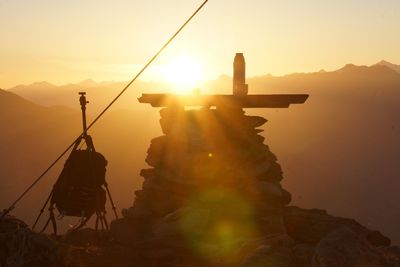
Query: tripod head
[[82, 100]]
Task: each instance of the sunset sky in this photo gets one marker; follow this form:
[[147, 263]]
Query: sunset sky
[[69, 41]]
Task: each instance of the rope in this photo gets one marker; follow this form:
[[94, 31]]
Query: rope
[[12, 206]]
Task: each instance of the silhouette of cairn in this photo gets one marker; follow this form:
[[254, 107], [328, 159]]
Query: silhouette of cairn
[[213, 186]]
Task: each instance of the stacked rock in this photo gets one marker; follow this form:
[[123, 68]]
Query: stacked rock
[[214, 186]]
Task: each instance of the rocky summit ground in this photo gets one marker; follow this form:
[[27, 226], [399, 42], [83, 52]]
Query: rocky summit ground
[[314, 238]]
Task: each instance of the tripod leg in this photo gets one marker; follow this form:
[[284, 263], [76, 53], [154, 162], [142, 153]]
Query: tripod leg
[[82, 224], [45, 225], [111, 200], [97, 222], [42, 209], [105, 220], [53, 221], [101, 220]]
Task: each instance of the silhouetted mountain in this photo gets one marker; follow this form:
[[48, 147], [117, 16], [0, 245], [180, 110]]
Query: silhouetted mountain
[[28, 138], [9, 100], [389, 65], [339, 151]]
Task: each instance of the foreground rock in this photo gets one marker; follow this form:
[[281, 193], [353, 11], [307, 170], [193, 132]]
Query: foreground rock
[[342, 245], [310, 226], [344, 248], [20, 247]]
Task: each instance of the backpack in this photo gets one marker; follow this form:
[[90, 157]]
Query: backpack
[[78, 191]]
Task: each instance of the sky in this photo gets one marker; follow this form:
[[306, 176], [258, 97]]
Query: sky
[[109, 40]]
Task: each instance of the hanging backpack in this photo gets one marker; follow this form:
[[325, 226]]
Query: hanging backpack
[[81, 189], [78, 191]]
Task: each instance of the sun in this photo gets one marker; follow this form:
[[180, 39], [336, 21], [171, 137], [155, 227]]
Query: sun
[[184, 73]]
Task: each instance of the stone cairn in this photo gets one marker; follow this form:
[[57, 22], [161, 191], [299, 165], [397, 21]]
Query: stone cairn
[[213, 192], [213, 197], [213, 186]]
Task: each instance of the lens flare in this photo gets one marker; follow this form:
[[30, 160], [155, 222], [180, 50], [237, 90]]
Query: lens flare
[[217, 224]]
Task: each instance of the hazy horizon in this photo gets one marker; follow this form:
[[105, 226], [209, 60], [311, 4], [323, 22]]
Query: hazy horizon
[[160, 80], [69, 41]]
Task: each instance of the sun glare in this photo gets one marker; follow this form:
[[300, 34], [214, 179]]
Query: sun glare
[[185, 73]]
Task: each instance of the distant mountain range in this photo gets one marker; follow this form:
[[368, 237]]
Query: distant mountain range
[[47, 94], [389, 65], [339, 151]]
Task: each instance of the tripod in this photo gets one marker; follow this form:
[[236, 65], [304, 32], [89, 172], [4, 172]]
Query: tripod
[[79, 190]]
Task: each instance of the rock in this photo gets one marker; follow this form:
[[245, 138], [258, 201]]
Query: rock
[[273, 240], [271, 190], [83, 237], [391, 256], [136, 212], [257, 169], [286, 197], [272, 224], [268, 256], [344, 248], [20, 247], [273, 174], [256, 121], [9, 224], [124, 232], [303, 254], [310, 226], [376, 238], [186, 220]]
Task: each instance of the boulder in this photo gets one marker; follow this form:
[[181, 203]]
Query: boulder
[[311, 225], [182, 223], [268, 256], [391, 256], [124, 232], [303, 255], [345, 248], [20, 247]]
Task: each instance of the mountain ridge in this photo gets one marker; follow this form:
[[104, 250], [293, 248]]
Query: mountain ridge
[[103, 92], [388, 64], [89, 82]]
